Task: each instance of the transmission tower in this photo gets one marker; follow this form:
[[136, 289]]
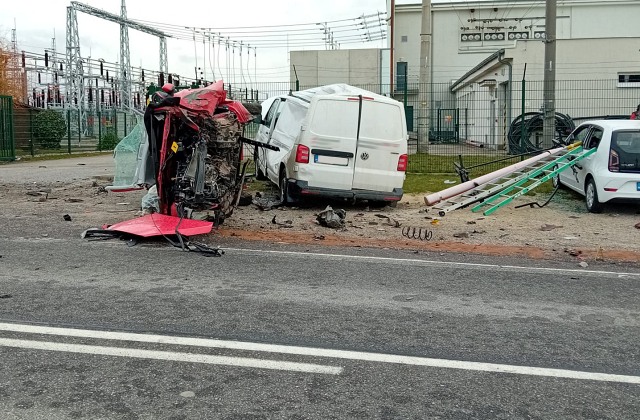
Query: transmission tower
[[74, 72], [125, 58]]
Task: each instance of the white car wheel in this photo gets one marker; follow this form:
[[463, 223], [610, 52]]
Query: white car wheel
[[591, 198]]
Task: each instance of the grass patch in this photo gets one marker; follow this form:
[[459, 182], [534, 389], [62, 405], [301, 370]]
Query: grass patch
[[428, 183], [443, 164]]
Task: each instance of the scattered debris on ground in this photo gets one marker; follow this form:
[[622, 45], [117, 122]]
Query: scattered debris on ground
[[390, 221], [286, 223], [265, 203], [331, 218], [547, 228]]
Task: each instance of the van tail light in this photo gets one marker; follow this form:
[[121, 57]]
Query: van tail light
[[402, 163], [302, 154], [614, 161]]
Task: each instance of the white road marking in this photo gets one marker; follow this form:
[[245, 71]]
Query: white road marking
[[435, 262], [171, 356], [317, 352]]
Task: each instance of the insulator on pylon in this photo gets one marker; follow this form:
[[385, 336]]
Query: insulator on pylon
[[161, 79], [107, 75], [90, 95], [61, 68], [24, 60], [170, 78], [39, 78], [101, 69], [46, 59]]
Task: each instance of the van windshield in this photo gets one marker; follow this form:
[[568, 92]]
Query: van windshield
[[625, 151]]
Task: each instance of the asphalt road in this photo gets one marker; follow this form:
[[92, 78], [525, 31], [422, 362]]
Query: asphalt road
[[101, 330]]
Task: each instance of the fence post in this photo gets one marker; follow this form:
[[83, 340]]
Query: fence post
[[79, 128], [406, 93], [522, 130], [99, 132], [31, 131], [114, 123], [69, 131]]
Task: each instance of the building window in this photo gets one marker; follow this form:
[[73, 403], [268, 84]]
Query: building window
[[404, 38], [629, 80]]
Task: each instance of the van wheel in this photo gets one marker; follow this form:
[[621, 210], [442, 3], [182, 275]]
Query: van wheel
[[378, 204], [259, 174], [591, 197], [284, 189]]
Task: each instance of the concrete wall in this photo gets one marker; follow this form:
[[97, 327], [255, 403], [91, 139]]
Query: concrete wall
[[322, 67], [452, 58]]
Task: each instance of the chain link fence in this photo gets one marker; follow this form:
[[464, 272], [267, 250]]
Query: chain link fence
[[474, 124], [55, 131]]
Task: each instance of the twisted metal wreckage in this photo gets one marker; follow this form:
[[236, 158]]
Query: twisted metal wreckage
[[189, 153]]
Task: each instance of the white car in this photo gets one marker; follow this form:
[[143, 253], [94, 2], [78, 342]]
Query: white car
[[610, 174]]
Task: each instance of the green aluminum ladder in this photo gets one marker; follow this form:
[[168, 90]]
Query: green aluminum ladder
[[532, 179]]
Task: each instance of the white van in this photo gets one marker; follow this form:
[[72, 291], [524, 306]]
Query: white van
[[335, 141]]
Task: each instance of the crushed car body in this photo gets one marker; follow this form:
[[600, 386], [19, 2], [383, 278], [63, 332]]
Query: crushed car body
[[188, 148]]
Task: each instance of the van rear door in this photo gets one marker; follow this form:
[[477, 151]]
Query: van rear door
[[381, 142], [331, 139]]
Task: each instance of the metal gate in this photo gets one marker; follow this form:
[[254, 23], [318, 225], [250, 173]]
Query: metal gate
[[447, 126], [7, 138]]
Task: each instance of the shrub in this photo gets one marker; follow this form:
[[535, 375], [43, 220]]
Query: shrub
[[49, 128], [109, 140]]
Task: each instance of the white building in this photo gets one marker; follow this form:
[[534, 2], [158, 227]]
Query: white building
[[479, 50]]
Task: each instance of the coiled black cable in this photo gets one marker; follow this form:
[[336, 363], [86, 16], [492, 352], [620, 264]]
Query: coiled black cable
[[531, 123]]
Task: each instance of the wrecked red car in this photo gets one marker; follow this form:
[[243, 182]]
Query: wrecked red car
[[189, 154]]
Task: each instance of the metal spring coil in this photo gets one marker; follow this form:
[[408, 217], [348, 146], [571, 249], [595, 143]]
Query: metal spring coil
[[422, 234]]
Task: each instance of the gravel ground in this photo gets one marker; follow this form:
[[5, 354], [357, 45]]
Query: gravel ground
[[36, 196]]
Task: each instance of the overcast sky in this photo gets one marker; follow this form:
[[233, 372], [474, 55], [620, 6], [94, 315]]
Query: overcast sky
[[36, 21]]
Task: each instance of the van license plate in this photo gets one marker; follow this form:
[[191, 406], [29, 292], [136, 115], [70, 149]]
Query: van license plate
[[331, 160]]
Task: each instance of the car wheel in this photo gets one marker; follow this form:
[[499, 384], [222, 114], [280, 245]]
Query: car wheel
[[591, 197], [556, 180]]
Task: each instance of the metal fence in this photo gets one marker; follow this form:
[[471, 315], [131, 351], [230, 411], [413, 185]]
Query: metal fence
[[95, 131], [481, 122], [7, 138], [475, 123]]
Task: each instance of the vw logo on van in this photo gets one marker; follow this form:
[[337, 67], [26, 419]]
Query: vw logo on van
[[364, 156]]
